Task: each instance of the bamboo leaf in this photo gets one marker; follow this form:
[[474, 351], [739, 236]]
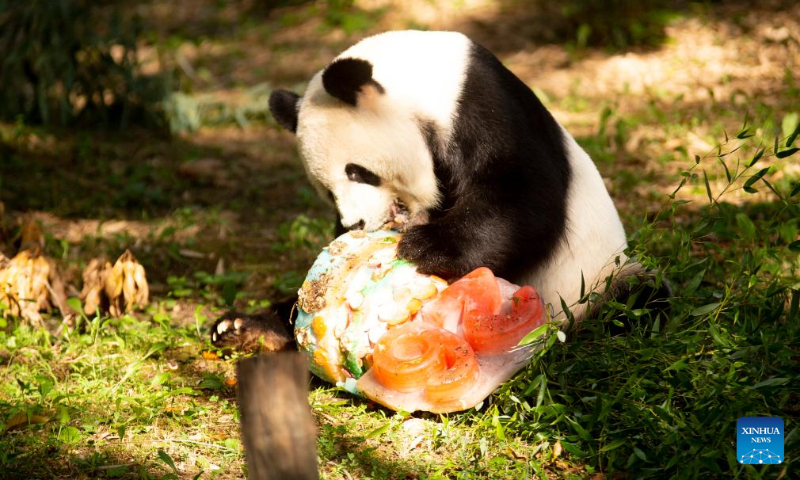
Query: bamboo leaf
[[534, 335], [164, 456], [770, 382], [580, 430], [727, 172], [679, 365], [639, 453], [787, 153], [757, 157], [704, 309], [680, 185], [791, 138], [790, 127], [613, 444], [773, 189], [708, 188], [746, 226], [748, 185], [378, 431], [567, 312], [695, 281], [542, 390]]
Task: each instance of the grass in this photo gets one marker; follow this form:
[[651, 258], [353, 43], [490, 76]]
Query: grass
[[136, 397]]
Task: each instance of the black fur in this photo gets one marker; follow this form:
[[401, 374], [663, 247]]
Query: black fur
[[338, 228], [283, 106], [345, 77], [267, 331], [357, 173], [503, 176]]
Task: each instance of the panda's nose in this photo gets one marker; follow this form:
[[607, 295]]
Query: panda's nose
[[356, 226]]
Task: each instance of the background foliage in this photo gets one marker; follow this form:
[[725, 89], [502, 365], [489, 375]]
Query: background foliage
[[72, 59]]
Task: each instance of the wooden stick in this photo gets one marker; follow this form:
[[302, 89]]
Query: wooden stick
[[277, 426]]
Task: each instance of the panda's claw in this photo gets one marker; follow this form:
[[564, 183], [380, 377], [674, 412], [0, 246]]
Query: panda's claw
[[250, 333]]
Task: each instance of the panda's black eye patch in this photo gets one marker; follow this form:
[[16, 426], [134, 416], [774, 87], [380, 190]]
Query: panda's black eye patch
[[357, 173]]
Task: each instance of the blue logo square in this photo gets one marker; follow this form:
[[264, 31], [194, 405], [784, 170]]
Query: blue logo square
[[759, 440]]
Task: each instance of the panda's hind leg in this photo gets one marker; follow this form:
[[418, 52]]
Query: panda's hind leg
[[259, 332]]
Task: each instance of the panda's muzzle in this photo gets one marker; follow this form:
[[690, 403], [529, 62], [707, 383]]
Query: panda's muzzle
[[398, 216], [359, 225]]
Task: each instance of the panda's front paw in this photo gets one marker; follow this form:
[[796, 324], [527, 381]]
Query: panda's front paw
[[431, 252], [250, 333]]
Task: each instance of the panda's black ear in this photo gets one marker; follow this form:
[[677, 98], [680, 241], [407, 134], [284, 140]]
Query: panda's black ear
[[345, 77], [283, 106]]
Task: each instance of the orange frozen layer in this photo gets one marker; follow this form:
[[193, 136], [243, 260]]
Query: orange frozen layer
[[461, 347], [418, 356], [406, 356], [460, 372], [479, 287], [494, 334]]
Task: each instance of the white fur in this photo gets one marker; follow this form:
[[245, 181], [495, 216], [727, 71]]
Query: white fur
[[422, 74], [594, 238]]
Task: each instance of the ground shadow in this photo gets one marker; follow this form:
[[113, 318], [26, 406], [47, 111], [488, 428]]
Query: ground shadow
[[52, 461]]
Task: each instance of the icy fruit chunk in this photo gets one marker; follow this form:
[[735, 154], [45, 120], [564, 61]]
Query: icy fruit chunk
[[495, 334], [419, 356], [405, 357], [479, 286], [460, 372]]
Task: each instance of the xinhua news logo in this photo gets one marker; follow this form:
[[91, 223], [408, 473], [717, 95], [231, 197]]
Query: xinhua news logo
[[759, 440]]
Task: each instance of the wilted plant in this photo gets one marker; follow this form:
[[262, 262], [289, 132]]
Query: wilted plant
[[30, 283], [117, 289]]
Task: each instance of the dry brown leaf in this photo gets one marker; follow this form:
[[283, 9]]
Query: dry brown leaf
[[117, 289], [562, 465], [515, 454], [29, 284], [188, 253], [31, 236], [94, 276], [21, 420], [557, 449], [113, 281]]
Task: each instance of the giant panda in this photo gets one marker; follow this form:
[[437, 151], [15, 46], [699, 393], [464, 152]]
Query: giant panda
[[433, 123]]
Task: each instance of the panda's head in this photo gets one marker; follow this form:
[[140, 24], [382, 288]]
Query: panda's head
[[366, 123]]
